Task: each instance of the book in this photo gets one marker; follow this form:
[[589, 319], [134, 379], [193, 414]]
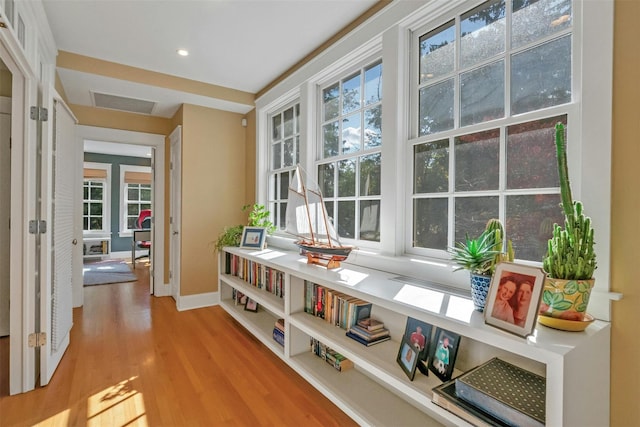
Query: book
[[370, 324], [278, 335], [445, 396], [280, 324], [367, 342], [507, 392], [368, 335]]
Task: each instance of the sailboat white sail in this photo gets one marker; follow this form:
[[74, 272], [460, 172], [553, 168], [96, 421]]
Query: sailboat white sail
[[307, 219]]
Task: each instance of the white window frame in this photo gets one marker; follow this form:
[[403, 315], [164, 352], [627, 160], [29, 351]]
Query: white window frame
[[392, 29], [124, 231], [106, 201]]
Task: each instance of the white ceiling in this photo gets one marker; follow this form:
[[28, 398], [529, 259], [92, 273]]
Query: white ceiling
[[239, 44]]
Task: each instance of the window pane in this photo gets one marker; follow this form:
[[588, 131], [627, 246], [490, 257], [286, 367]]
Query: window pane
[[541, 76], [85, 208], [370, 220], [288, 152], [477, 162], [347, 219], [530, 222], [297, 150], [326, 179], [284, 185], [132, 223], [85, 192], [283, 215], [437, 52], [330, 215], [288, 122], [132, 209], [351, 94], [96, 193], [351, 130], [145, 194], [370, 175], [132, 192], [373, 84], [472, 214], [346, 178], [533, 20], [331, 102], [531, 154], [482, 33], [296, 118], [96, 223], [431, 167], [95, 208], [276, 132], [85, 223], [330, 139], [373, 127], [430, 223], [273, 187], [276, 155], [145, 206], [482, 94], [436, 108]]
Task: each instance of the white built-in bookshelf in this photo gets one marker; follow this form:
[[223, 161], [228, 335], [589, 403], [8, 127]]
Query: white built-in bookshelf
[[377, 392]]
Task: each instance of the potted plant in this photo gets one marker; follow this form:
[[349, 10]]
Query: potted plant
[[258, 217], [481, 256], [570, 259]]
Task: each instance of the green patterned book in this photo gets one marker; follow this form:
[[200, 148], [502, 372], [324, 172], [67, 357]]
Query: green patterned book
[[508, 392]]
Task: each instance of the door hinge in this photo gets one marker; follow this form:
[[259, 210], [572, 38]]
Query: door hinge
[[37, 226], [40, 114], [170, 274], [37, 339]]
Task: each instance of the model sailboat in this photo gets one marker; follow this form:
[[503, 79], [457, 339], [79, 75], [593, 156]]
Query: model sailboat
[[307, 219]]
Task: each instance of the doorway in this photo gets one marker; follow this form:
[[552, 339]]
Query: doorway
[[5, 234]]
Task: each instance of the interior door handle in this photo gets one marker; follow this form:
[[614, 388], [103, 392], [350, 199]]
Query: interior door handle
[[74, 241]]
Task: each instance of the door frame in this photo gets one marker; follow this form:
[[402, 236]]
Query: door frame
[[22, 244], [137, 138], [175, 211]]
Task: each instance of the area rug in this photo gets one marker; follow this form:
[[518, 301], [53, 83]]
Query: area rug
[[107, 271]]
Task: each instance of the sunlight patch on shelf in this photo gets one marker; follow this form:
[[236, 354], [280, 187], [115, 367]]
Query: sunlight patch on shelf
[[426, 299], [269, 254], [120, 404], [433, 263], [350, 278], [459, 308]]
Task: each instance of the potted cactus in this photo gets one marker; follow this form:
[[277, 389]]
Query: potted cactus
[[570, 259], [481, 256]]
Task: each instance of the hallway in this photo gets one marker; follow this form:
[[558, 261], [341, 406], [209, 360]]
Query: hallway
[[135, 360]]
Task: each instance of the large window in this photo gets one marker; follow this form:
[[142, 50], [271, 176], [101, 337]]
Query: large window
[[95, 196], [349, 169], [491, 84], [284, 155], [136, 194]]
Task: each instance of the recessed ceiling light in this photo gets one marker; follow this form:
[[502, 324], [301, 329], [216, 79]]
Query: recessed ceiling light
[[183, 52]]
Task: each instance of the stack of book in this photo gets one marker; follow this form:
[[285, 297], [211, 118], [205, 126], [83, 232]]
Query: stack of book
[[369, 331], [334, 307], [495, 393], [278, 332], [332, 357]]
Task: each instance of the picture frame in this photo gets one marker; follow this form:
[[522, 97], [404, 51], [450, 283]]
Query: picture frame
[[241, 299], [418, 334], [251, 305], [514, 297], [253, 237], [442, 356], [407, 358]]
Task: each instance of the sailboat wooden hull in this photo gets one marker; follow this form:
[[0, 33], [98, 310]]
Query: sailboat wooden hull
[[325, 255]]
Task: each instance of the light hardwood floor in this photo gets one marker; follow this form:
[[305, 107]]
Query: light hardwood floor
[[134, 360]]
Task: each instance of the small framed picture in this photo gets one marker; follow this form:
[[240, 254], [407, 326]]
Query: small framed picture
[[251, 305], [407, 358], [253, 237], [241, 299], [514, 297], [443, 354], [418, 334]]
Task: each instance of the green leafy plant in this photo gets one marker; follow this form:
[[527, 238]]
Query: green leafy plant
[[482, 254], [570, 251], [258, 217]]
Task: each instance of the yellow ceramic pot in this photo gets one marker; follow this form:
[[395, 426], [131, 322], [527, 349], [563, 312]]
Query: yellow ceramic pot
[[565, 299]]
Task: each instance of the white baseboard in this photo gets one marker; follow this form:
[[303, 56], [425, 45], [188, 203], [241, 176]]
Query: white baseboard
[[190, 302]]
